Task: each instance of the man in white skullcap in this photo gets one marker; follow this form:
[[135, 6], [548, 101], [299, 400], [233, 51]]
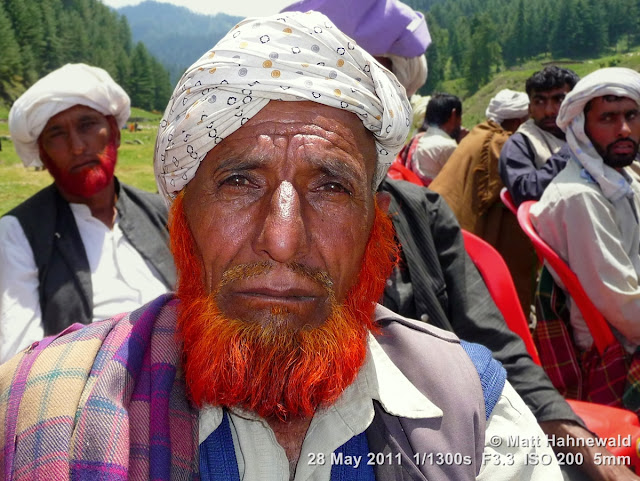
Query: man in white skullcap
[[273, 360], [87, 247], [589, 213], [470, 184], [477, 157]]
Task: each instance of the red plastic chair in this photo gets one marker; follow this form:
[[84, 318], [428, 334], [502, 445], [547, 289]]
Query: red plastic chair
[[600, 331], [605, 421], [507, 200], [398, 171], [496, 276]]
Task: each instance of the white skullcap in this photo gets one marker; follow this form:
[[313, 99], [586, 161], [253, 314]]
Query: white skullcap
[[289, 56], [410, 71], [621, 82], [507, 104], [72, 84]]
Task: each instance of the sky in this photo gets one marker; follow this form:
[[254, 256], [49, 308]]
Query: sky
[[240, 8]]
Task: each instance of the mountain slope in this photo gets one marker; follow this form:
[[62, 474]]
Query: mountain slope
[[176, 35]]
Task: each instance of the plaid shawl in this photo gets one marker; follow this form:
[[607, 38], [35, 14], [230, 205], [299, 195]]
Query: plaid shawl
[[105, 402], [612, 378]]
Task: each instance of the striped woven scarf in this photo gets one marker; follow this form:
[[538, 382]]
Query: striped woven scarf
[[104, 402]]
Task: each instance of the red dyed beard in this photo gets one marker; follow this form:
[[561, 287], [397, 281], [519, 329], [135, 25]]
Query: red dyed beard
[[88, 181], [270, 368]]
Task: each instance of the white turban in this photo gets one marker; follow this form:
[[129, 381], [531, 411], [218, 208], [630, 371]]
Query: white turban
[[507, 104], [621, 82], [72, 84], [410, 71], [289, 56]]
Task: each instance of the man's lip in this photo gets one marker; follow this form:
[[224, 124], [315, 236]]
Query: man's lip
[[279, 293], [84, 164], [623, 147], [278, 282]]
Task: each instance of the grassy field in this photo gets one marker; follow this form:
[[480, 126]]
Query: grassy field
[[136, 152], [135, 161]]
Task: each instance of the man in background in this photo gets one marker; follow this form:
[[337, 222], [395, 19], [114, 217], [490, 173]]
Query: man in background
[[533, 156], [589, 212], [87, 247], [470, 184], [443, 122]]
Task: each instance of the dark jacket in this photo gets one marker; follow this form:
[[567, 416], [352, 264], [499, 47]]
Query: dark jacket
[[66, 294]]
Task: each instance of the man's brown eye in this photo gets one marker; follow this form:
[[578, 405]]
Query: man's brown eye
[[336, 188], [236, 181]]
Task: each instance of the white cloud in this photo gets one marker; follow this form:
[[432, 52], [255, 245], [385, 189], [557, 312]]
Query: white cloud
[[240, 8]]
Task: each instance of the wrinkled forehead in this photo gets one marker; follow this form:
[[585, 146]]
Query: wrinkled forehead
[[330, 139]]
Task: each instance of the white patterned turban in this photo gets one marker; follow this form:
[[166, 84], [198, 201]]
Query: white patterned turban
[[70, 85], [507, 104], [621, 82], [289, 56], [410, 71]]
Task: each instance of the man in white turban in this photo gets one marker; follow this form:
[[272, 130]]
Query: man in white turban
[[470, 184], [87, 247], [589, 213], [273, 360], [534, 154]]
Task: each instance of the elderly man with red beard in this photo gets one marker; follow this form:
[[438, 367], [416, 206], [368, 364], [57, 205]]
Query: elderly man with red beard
[[87, 247], [273, 360]]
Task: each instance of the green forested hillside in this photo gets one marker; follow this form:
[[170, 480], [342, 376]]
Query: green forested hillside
[[38, 36], [176, 35], [472, 39]]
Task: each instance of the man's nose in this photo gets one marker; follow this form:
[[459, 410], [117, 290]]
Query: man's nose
[[283, 235], [76, 141], [551, 108], [625, 129]]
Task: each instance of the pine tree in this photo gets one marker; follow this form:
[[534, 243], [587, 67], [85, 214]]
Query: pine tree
[[26, 22], [142, 87], [436, 59], [484, 52], [163, 88], [53, 55], [515, 42], [10, 58]]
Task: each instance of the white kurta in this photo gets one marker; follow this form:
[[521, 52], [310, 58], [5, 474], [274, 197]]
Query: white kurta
[[121, 279], [432, 152], [600, 241]]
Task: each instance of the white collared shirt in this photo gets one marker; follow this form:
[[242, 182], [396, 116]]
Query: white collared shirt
[[432, 152], [121, 279], [261, 458]]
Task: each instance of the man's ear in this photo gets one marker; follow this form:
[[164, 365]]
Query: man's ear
[[43, 156], [113, 123], [383, 200]]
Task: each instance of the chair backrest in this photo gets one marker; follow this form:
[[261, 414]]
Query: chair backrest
[[596, 323], [507, 200], [605, 421], [499, 282], [398, 171]]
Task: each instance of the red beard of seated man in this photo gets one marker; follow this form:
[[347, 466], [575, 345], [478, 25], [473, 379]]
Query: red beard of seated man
[[272, 368]]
